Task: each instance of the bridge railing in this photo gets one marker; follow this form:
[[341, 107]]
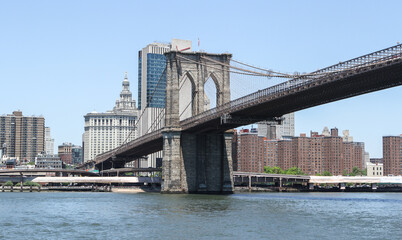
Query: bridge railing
[[350, 65], [368, 59], [145, 138]]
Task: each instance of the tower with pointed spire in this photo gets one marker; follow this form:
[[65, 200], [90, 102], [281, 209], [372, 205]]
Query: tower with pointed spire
[[106, 131]]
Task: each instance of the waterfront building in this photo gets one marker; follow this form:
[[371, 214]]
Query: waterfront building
[[251, 153], [375, 169], [64, 152], [271, 151], [316, 155], [392, 155], [234, 150], [48, 161], [49, 142], [107, 131], [11, 163], [376, 160], [301, 153], [22, 137], [76, 155], [346, 137], [332, 153], [366, 159], [70, 153], [313, 155], [285, 158], [152, 88], [278, 131]]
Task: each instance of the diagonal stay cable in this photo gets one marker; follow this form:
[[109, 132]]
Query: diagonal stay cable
[[142, 113]]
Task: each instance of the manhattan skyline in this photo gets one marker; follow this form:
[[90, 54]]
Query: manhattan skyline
[[63, 60]]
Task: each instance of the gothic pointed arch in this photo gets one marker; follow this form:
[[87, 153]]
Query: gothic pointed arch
[[187, 92]]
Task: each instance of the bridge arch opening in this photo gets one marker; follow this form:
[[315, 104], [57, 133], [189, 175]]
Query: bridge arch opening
[[186, 96], [211, 92]]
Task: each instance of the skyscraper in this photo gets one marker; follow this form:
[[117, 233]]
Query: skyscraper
[[106, 131], [23, 137]]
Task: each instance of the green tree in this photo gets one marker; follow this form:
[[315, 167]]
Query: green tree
[[294, 171], [364, 172], [326, 173], [8, 184], [273, 170], [355, 171], [267, 169], [33, 184], [345, 172]]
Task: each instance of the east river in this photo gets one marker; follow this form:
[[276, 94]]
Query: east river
[[74, 215]]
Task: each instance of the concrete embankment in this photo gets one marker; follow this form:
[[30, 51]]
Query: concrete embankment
[[107, 188], [240, 189], [135, 189]]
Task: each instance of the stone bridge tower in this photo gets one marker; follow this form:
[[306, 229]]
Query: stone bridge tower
[[196, 162]]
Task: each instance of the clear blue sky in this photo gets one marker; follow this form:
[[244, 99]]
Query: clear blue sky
[[63, 59]]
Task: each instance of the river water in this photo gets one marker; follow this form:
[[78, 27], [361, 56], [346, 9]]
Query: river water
[[74, 215]]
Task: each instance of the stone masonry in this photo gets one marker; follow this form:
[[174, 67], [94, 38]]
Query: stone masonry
[[196, 163]]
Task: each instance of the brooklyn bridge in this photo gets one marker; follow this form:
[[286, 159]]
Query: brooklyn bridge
[[197, 148]]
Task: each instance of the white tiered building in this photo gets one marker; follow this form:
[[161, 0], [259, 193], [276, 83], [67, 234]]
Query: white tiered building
[[106, 131], [278, 131]]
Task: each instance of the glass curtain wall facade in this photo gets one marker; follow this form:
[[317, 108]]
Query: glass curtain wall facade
[[156, 80]]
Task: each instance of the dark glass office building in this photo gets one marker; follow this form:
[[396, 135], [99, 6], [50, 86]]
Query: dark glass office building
[[151, 76]]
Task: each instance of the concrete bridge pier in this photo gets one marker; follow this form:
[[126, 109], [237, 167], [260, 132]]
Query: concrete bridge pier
[[197, 163]]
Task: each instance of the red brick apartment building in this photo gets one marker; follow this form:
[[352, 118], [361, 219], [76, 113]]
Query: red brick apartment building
[[392, 155], [314, 154]]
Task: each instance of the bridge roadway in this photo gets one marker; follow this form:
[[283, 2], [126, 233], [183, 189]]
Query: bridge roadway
[[368, 73]]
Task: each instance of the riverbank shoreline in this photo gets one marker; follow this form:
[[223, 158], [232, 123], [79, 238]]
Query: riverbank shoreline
[[316, 190], [237, 189]]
